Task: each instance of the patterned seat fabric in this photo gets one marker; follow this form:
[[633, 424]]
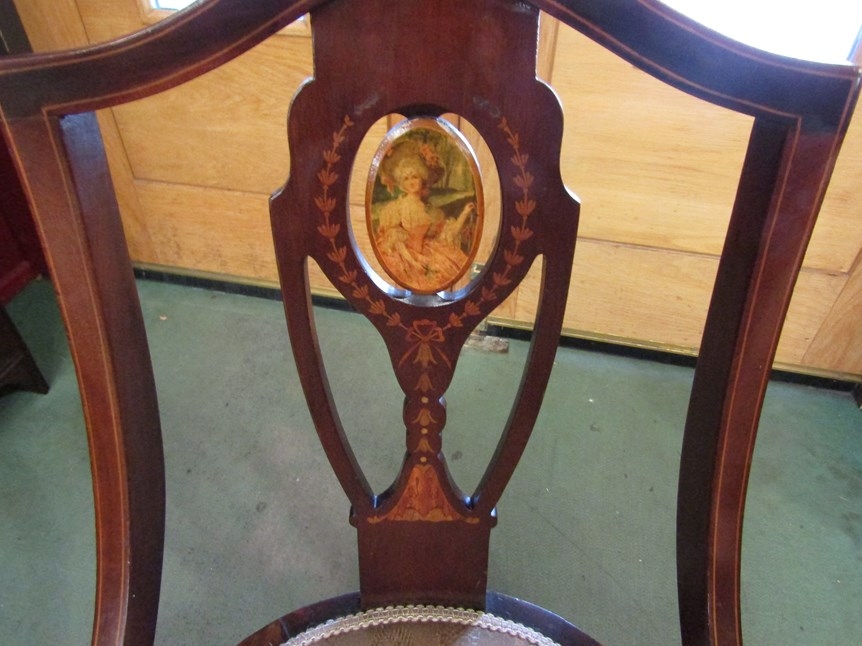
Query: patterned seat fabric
[[421, 626]]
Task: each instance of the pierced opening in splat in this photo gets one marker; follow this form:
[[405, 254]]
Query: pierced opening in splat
[[424, 226]]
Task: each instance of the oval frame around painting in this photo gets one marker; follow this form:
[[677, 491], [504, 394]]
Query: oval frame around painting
[[424, 207]]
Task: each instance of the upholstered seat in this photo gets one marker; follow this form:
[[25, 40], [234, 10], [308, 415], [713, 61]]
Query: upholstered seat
[[426, 625], [341, 620]]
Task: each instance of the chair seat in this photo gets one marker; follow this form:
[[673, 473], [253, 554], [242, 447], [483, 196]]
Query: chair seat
[[340, 620], [425, 625]]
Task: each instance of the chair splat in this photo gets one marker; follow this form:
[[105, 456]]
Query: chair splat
[[423, 314]]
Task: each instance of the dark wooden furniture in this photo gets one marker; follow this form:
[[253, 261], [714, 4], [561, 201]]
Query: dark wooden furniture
[[20, 262], [481, 66], [18, 370], [21, 258]]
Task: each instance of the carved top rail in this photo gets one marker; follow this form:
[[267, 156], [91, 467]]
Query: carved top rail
[[647, 33]]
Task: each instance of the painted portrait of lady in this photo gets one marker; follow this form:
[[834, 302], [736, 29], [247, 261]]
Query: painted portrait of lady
[[424, 206]]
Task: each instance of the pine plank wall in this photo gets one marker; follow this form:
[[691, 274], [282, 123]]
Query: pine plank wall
[[655, 170]]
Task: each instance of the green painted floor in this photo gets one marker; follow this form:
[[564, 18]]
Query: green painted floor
[[256, 523]]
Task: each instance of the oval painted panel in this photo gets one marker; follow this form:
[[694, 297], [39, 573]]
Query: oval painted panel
[[424, 206]]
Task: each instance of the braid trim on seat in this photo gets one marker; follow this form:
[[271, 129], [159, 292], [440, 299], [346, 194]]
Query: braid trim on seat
[[419, 614]]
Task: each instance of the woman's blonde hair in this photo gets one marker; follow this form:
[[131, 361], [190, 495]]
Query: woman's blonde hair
[[412, 164], [409, 155]]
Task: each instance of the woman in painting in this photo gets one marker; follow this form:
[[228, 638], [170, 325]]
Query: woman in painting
[[418, 245]]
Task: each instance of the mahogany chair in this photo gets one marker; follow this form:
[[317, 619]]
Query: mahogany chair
[[483, 68]]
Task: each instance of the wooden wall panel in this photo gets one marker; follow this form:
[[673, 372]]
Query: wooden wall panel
[[651, 298], [659, 168], [633, 295], [813, 299], [653, 166], [837, 237], [837, 347], [209, 230], [656, 171], [135, 219], [52, 24], [107, 19], [226, 129]]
